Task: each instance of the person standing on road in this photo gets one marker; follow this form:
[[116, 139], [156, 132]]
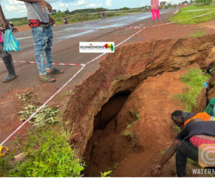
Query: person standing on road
[[65, 21], [41, 22], [6, 57], [155, 10]]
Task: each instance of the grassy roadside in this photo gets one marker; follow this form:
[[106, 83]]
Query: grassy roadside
[[45, 146], [206, 13]]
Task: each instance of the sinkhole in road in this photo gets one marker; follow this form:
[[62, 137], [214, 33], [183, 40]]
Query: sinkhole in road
[[107, 145], [110, 110], [100, 107]]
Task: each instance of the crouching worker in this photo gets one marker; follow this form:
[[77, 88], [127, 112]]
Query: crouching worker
[[181, 118], [6, 57], [186, 145]]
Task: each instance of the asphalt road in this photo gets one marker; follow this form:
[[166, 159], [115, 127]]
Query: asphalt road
[[65, 50], [66, 47]]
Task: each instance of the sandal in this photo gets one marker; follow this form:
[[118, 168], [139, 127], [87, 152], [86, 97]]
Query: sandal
[[55, 71], [47, 79]]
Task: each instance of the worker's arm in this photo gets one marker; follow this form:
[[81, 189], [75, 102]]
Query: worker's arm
[[156, 170], [49, 7], [52, 20], [4, 22]]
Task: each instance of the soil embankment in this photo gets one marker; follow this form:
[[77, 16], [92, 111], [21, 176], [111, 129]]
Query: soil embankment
[[122, 119]]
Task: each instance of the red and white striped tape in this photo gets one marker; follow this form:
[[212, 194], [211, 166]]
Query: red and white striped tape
[[60, 64], [74, 77], [96, 58]]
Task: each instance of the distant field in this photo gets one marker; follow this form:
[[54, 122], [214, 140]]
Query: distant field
[[72, 18], [205, 13], [86, 17]]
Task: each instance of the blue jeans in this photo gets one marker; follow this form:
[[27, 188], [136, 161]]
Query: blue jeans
[[43, 38], [185, 150]]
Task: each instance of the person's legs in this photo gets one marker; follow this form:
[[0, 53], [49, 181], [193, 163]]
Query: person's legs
[[48, 49], [153, 14], [39, 48], [40, 42], [48, 53], [8, 61], [157, 11], [185, 150]]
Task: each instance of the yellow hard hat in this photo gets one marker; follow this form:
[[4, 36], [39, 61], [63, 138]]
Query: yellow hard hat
[[3, 150]]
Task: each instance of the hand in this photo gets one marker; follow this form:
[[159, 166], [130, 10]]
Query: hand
[[49, 7], [52, 21], [156, 170], [6, 26]]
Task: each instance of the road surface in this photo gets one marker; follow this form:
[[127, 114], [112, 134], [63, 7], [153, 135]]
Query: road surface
[[65, 50]]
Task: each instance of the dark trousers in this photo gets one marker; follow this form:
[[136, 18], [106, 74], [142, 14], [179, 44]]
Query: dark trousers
[[2, 52], [185, 150]]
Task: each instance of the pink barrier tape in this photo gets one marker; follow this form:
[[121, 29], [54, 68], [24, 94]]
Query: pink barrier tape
[[96, 58]]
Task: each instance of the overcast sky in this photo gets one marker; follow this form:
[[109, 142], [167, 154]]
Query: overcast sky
[[15, 8]]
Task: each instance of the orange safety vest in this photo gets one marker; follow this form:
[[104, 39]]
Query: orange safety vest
[[202, 115]]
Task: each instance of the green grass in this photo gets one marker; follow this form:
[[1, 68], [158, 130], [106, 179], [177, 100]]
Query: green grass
[[136, 116], [188, 17], [176, 129], [5, 165], [163, 152], [127, 132], [48, 154], [46, 147], [45, 116], [192, 162], [194, 81], [106, 174], [197, 34]]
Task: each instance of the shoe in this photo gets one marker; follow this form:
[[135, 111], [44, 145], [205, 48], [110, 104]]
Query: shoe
[[47, 79], [8, 61], [54, 71]]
